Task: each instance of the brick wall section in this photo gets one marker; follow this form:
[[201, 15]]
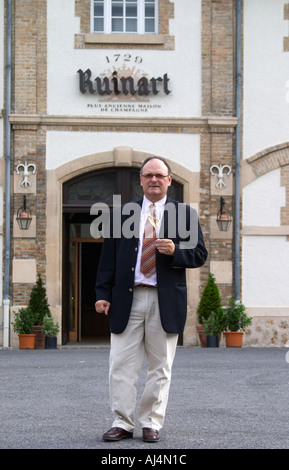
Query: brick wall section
[[223, 13], [82, 9], [218, 28], [41, 203], [222, 147], [206, 59], [217, 147], [41, 63], [29, 142], [30, 56], [25, 56], [21, 294], [31, 248]]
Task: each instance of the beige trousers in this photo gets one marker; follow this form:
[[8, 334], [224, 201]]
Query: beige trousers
[[143, 335]]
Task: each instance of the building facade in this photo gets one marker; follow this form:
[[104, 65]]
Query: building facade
[[97, 86]]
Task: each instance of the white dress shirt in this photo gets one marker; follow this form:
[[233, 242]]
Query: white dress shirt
[[145, 211]]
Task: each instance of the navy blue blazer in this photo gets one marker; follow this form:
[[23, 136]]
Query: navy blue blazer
[[115, 276]]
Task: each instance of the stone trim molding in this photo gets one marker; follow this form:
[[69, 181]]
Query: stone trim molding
[[24, 271], [267, 312], [214, 123], [222, 270], [270, 159], [250, 230], [126, 39]]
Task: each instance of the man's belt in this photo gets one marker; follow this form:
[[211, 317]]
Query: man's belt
[[145, 286]]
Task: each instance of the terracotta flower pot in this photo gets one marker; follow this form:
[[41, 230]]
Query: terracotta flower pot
[[202, 336], [27, 341], [234, 339]]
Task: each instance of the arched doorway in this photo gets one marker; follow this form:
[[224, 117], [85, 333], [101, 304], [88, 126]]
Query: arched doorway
[[81, 252]]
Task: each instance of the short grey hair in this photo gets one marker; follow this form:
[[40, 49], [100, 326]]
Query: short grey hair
[[152, 157]]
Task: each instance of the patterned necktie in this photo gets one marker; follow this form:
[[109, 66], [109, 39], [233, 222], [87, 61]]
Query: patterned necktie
[[148, 257]]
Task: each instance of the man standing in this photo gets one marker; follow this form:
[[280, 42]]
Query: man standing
[[141, 284]]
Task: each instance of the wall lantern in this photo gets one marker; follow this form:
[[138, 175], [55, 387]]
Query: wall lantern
[[23, 216], [224, 219]]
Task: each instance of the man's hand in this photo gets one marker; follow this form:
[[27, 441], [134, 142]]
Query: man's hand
[[102, 306], [165, 246]]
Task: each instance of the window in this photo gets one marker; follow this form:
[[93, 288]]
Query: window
[[124, 16]]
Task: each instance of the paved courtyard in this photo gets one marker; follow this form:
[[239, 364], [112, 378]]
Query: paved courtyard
[[221, 398]]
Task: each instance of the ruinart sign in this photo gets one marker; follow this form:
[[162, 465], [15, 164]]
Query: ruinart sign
[[122, 85]]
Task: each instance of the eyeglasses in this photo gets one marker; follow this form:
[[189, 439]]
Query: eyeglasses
[[149, 176]]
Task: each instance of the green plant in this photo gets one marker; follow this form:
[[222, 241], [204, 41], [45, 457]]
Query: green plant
[[236, 318], [215, 323], [38, 302], [49, 328], [210, 300], [23, 321]]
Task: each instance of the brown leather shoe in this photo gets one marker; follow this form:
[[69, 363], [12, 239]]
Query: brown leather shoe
[[116, 434], [150, 435]]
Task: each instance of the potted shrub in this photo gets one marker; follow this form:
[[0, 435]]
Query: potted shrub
[[236, 322], [210, 302], [22, 325], [213, 326], [50, 330], [38, 303]]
